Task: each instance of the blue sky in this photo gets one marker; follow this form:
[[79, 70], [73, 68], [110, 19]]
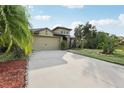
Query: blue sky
[[105, 18]]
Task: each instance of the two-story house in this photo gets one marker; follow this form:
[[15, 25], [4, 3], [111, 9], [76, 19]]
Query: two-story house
[[47, 39]]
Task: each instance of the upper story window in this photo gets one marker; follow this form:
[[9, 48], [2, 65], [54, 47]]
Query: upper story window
[[61, 32], [64, 32]]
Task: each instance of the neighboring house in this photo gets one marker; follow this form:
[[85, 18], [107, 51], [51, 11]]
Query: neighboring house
[[46, 39], [121, 40]]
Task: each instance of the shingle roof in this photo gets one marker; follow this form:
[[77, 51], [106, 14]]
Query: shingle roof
[[62, 28], [37, 30]]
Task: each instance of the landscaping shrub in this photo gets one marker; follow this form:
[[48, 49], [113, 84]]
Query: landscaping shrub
[[6, 56], [63, 45], [14, 54], [108, 46], [18, 52], [3, 49]]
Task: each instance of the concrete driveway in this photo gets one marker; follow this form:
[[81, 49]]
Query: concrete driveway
[[64, 69]]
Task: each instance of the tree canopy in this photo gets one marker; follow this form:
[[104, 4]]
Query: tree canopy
[[89, 37]]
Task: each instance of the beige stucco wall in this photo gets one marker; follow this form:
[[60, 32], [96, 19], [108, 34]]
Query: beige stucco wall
[[46, 43], [61, 32], [46, 32]]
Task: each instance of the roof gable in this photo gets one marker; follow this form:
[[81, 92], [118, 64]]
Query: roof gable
[[38, 30], [62, 28]]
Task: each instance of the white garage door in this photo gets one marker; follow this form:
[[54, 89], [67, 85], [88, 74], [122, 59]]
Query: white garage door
[[46, 43]]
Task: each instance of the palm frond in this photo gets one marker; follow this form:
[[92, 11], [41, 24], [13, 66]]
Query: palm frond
[[14, 28]]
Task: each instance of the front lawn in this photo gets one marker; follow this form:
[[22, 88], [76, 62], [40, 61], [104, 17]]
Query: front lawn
[[117, 57]]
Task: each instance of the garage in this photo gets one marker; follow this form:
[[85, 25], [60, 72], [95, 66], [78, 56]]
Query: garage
[[46, 43]]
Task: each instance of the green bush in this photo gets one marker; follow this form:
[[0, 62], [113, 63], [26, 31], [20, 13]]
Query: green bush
[[14, 54], [108, 46], [63, 45], [18, 52], [10, 56], [100, 45], [6, 56]]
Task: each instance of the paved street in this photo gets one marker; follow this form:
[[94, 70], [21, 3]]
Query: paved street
[[63, 69]]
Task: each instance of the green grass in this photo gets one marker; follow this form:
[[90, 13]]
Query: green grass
[[117, 57]]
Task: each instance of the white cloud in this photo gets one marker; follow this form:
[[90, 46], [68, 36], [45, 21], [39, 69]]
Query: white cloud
[[42, 17], [102, 22], [113, 26], [73, 25], [121, 18], [56, 25], [30, 6], [74, 6]]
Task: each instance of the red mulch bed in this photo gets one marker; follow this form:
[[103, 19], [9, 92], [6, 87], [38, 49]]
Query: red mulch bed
[[13, 74]]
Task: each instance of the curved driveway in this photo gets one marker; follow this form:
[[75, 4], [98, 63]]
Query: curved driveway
[[64, 69]]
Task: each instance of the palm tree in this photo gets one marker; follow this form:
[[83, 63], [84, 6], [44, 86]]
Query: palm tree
[[14, 28]]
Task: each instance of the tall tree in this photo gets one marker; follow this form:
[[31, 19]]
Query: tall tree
[[78, 35], [89, 33], [14, 28], [86, 35]]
